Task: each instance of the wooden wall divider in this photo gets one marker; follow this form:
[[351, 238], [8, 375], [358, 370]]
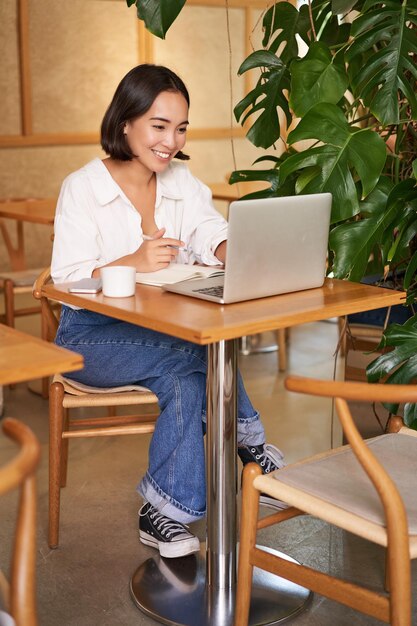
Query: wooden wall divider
[[24, 67], [82, 139]]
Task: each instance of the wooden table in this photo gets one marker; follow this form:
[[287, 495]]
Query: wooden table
[[23, 357], [207, 597], [34, 210]]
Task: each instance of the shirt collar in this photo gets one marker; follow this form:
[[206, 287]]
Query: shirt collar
[[167, 186], [106, 189]]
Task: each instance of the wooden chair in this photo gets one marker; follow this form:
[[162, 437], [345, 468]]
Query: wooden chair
[[19, 280], [65, 394], [363, 488], [13, 284], [19, 595]]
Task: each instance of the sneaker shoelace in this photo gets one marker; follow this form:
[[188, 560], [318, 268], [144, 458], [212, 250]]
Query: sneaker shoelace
[[168, 528], [270, 459]]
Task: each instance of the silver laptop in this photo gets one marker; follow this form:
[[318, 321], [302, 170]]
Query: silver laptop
[[274, 245]]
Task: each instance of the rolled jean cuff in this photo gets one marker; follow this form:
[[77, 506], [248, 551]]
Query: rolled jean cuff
[[166, 505], [250, 431]]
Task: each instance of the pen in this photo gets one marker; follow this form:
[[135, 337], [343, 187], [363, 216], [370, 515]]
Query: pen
[[148, 238], [178, 248]]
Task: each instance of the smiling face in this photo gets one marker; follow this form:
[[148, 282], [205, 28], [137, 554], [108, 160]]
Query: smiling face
[[157, 136]]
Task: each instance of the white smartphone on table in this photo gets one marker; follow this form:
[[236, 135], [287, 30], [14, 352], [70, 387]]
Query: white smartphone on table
[[86, 285]]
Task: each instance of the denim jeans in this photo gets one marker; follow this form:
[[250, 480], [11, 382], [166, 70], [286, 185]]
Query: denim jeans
[[117, 353]]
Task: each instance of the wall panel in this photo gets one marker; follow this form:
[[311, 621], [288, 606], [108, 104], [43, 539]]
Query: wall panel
[[77, 61], [197, 48], [9, 72]]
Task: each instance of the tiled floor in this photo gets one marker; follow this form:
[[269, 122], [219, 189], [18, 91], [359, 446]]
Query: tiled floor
[[85, 582]]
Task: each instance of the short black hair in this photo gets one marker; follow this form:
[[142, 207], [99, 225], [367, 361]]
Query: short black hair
[[134, 96]]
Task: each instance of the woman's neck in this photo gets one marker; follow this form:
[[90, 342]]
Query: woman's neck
[[130, 173], [139, 186]]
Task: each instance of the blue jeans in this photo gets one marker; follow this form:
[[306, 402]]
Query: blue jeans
[[117, 353]]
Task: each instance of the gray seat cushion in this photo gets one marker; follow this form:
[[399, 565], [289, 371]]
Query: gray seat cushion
[[340, 480]]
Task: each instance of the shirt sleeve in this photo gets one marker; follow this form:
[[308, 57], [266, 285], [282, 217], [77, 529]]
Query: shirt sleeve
[[209, 228], [76, 250]]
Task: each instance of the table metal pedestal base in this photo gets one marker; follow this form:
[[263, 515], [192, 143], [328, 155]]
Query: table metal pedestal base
[[173, 591]]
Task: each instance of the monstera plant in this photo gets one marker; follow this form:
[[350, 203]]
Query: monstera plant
[[353, 92], [337, 85]]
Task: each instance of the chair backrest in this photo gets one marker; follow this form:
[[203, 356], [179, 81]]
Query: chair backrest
[[20, 598], [50, 320]]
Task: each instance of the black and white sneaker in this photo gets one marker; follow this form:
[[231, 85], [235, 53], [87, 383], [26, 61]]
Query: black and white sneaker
[[171, 538], [269, 458]]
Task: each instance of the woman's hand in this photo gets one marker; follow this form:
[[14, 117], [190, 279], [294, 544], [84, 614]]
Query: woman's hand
[[153, 254], [156, 253]]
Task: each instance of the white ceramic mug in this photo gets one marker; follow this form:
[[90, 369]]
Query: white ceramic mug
[[119, 281]]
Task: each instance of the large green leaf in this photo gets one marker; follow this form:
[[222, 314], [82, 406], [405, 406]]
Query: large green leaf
[[411, 270], [387, 210], [316, 78], [329, 29], [158, 15], [410, 415], [403, 338], [347, 149], [353, 242], [267, 96], [284, 21], [384, 39], [272, 176], [342, 6], [400, 364]]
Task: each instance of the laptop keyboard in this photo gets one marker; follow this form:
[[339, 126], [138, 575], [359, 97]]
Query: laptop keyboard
[[216, 291]]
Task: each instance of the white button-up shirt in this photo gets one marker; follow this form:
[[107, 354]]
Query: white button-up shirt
[[96, 223]]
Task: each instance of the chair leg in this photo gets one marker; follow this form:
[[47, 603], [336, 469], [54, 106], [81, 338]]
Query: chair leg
[[9, 302], [248, 524], [45, 336], [398, 584], [45, 388], [9, 317], [341, 324], [56, 423], [387, 573], [64, 451], [282, 349]]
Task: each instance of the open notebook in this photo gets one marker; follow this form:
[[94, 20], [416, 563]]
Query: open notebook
[[177, 272]]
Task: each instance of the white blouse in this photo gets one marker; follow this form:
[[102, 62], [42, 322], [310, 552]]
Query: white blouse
[[96, 223]]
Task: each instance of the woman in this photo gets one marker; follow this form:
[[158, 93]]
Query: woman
[[139, 208]]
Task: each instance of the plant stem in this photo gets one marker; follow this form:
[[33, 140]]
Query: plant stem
[[310, 12], [368, 116]]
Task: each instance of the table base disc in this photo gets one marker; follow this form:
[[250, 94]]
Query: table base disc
[[173, 591]]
